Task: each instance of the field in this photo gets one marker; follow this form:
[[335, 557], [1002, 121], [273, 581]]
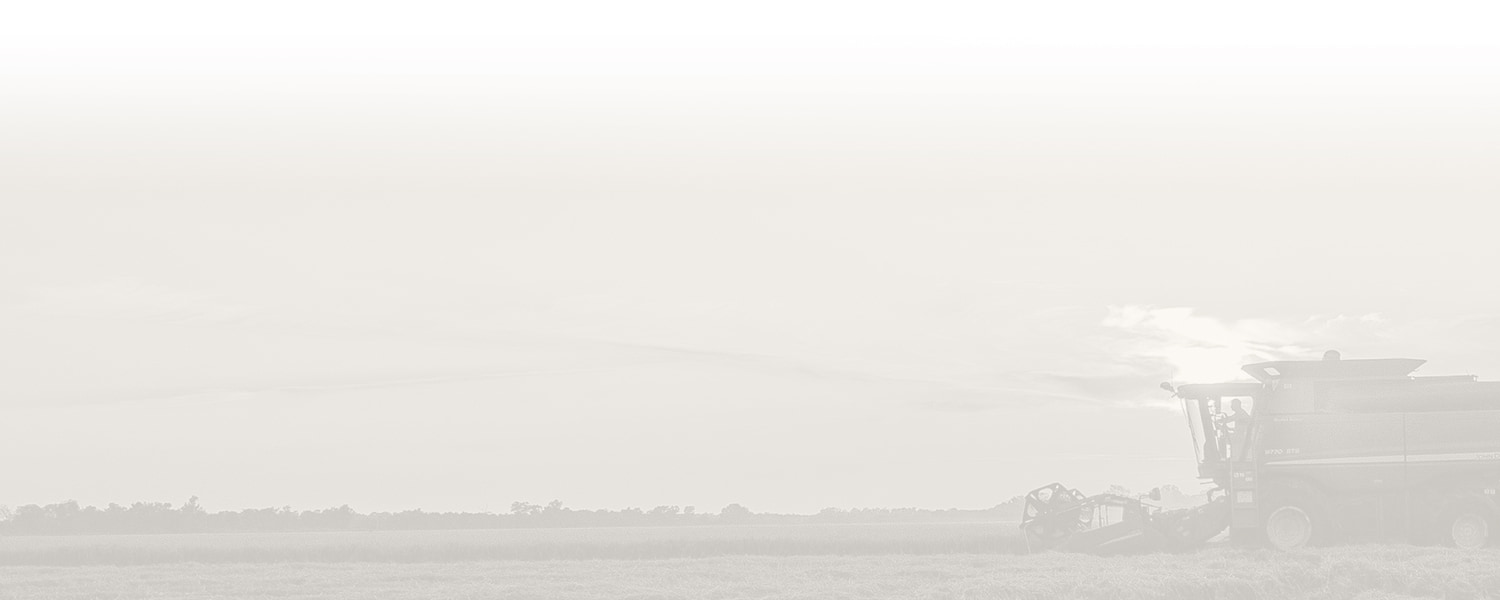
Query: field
[[864, 561], [516, 544]]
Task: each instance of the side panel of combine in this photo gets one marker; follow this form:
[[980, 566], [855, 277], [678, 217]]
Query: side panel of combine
[[1334, 453], [1453, 465], [1327, 475], [1373, 476], [1450, 446]]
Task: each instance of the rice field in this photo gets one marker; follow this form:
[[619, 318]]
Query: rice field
[[1364, 573], [1372, 572], [517, 544]]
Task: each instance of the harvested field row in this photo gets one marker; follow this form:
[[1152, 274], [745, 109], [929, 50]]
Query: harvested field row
[[1362, 572], [516, 544]]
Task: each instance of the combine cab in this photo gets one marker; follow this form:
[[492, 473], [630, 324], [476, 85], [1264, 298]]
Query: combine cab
[[1060, 518]]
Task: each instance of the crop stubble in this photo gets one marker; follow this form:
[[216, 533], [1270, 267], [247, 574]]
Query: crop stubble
[[1364, 572]]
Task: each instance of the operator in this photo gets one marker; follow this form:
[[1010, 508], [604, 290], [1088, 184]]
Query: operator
[[1237, 414], [1238, 424]]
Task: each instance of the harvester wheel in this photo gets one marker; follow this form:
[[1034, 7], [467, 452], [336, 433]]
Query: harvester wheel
[[1295, 520], [1466, 525], [1289, 528]]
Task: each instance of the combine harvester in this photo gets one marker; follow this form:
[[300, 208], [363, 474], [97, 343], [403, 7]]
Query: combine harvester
[[1311, 452]]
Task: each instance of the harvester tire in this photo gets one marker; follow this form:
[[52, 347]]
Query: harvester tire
[[1466, 524], [1295, 518]]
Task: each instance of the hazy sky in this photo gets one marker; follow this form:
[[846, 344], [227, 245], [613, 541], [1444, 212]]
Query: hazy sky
[[791, 255]]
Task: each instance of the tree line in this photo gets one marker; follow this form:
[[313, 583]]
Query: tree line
[[68, 518]]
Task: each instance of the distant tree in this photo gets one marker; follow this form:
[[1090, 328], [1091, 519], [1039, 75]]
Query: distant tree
[[1010, 509], [524, 508], [664, 513], [735, 512], [64, 510], [29, 519]]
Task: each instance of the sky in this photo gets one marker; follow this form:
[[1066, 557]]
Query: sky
[[787, 255]]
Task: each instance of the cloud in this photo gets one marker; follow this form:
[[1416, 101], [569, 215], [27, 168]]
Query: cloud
[[1204, 348], [1135, 387]]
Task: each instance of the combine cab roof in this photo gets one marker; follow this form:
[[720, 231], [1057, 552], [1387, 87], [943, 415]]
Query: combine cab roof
[[1368, 368], [1219, 390]]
